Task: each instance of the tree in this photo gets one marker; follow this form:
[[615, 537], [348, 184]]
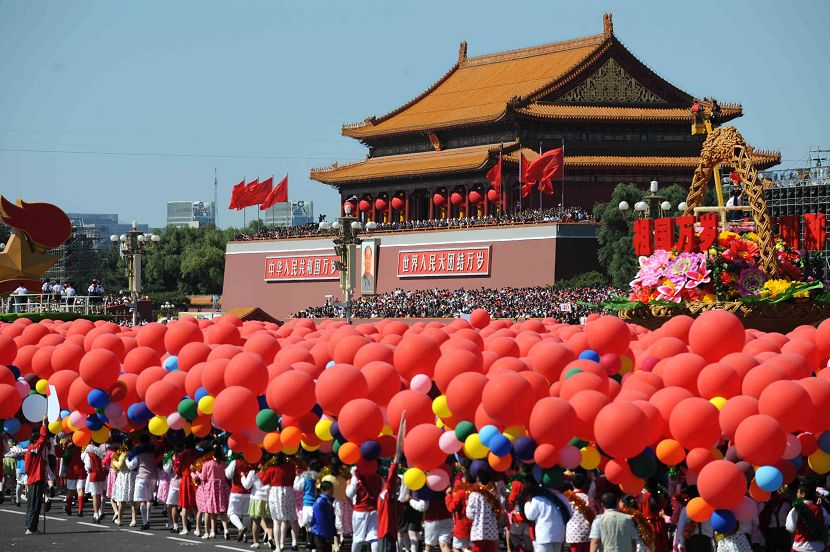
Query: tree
[[614, 234]]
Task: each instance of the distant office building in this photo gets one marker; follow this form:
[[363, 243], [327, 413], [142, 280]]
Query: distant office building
[[100, 226], [293, 213], [192, 214]]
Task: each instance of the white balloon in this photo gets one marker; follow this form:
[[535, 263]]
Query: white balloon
[[34, 407]]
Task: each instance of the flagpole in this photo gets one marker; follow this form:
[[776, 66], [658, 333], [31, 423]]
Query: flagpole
[[539, 186], [563, 175], [245, 208], [521, 199]]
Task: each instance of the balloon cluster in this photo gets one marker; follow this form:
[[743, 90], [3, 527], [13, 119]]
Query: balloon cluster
[[741, 412]]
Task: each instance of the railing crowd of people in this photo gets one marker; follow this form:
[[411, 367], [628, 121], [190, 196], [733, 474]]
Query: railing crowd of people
[[566, 305]]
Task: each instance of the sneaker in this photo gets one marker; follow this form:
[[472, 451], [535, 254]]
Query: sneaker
[[272, 544], [132, 523], [35, 532], [183, 532], [241, 536], [145, 527], [196, 532], [255, 545], [205, 536]]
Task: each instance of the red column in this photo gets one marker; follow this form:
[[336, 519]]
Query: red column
[[466, 202], [406, 208], [431, 203], [389, 207], [486, 203]]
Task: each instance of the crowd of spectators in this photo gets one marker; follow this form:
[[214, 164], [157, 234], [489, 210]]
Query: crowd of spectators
[[566, 305], [528, 216]]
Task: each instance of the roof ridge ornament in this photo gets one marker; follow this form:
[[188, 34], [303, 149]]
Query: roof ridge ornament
[[462, 52], [607, 25]]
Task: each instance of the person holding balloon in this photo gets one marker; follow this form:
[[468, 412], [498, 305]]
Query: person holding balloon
[[485, 510], [35, 467], [808, 521], [456, 501], [187, 488], [75, 475], [694, 531], [437, 522], [215, 490], [364, 489], [171, 502], [122, 493], [106, 463], [96, 479], [773, 523], [279, 475], [142, 459], [240, 497]]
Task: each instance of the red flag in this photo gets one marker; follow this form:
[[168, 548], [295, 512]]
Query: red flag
[[494, 175], [544, 169], [256, 192], [236, 195], [523, 178], [278, 195]]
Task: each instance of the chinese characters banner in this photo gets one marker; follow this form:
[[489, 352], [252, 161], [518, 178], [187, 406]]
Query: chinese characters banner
[[435, 263], [301, 267]]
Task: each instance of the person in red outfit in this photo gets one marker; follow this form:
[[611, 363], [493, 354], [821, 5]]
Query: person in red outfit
[[75, 475], [388, 511], [364, 489], [35, 463], [456, 501]]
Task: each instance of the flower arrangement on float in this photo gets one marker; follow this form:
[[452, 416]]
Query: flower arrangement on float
[[728, 271]]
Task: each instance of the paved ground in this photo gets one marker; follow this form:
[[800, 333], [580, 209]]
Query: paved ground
[[82, 535]]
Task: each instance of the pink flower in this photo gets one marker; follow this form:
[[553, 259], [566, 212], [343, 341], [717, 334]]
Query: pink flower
[[669, 293], [698, 277]]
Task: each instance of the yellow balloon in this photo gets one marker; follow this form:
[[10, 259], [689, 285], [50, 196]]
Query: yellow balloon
[[819, 462], [590, 458], [323, 430], [290, 450], [309, 448], [387, 430], [718, 402], [42, 386], [474, 448], [158, 425], [626, 365], [55, 427], [440, 408], [101, 435], [69, 425], [515, 431], [439, 422], [206, 405], [414, 478]]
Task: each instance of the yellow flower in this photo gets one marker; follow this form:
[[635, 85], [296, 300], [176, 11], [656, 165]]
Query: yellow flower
[[752, 236], [708, 298], [727, 235], [774, 288]]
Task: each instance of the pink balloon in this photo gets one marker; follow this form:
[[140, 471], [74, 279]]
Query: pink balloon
[[113, 411], [449, 443], [421, 382], [175, 421], [793, 447], [23, 389], [120, 422], [255, 434], [77, 419], [438, 480], [747, 510], [569, 457]]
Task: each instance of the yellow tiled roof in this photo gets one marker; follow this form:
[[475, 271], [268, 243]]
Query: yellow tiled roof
[[479, 88], [410, 164], [543, 110]]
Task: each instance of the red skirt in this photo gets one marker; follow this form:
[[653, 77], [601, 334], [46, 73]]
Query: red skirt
[[187, 491]]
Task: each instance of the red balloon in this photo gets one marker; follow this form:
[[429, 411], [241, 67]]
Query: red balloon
[[247, 370], [193, 380], [656, 426], [224, 351], [736, 410], [10, 400], [479, 318], [213, 375], [721, 484], [787, 402], [819, 391], [718, 380], [697, 458], [62, 380], [152, 335], [715, 334], [191, 354], [99, 368], [148, 377], [621, 430], [177, 379], [464, 394], [67, 356], [507, 398], [162, 398], [682, 370], [347, 347], [374, 352], [291, 393], [617, 471], [223, 333], [235, 409], [8, 350], [608, 334], [397, 203], [552, 421], [179, 334], [822, 338], [110, 342], [418, 408], [382, 380], [582, 381], [23, 360], [140, 358], [360, 420], [666, 399], [549, 358], [546, 455], [42, 362], [759, 378], [454, 362], [421, 446], [262, 343], [694, 423], [77, 397], [338, 385], [33, 333], [416, 354], [760, 440], [586, 405]]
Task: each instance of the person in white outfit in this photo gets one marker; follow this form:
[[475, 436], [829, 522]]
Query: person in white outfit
[[551, 511]]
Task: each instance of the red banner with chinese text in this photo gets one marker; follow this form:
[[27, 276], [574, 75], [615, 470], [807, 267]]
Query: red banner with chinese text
[[291, 268], [438, 263]]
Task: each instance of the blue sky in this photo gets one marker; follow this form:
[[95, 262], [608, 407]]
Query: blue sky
[[265, 85]]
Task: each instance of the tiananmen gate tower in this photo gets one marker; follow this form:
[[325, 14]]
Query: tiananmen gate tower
[[618, 121]]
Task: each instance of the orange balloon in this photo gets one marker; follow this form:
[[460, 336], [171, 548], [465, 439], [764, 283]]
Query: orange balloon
[[252, 453], [699, 510], [81, 437], [272, 442], [670, 452], [291, 437], [499, 463], [200, 426], [349, 453], [757, 492], [632, 485]]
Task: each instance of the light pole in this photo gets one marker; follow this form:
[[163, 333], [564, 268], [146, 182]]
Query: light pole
[[652, 206], [347, 227], [131, 247]]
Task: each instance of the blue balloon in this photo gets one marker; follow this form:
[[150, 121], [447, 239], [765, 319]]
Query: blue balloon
[[138, 412], [424, 493], [14, 370], [486, 434], [589, 355], [335, 432], [201, 392], [11, 426], [94, 423], [524, 447], [171, 363], [500, 445], [537, 473], [317, 410], [476, 466], [769, 478], [263, 404], [98, 398], [330, 363], [370, 450], [723, 521], [824, 441], [64, 414], [797, 462]]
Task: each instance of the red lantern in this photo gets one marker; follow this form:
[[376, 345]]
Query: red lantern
[[397, 203], [492, 196], [380, 204], [364, 205], [456, 198], [439, 199], [475, 197]]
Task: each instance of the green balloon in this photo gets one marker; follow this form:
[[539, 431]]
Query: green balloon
[[267, 420], [188, 409], [578, 443], [552, 478], [464, 430], [572, 371], [335, 446], [643, 466]]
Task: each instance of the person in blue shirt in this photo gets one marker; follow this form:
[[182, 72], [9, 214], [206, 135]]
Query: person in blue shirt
[[322, 519]]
